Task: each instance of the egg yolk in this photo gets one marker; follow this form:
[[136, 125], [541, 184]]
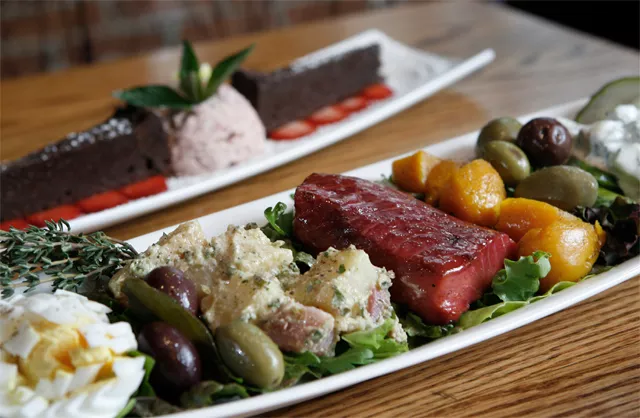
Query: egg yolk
[[51, 353]]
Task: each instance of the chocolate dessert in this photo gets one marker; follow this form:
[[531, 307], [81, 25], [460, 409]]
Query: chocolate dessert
[[294, 93], [128, 147]]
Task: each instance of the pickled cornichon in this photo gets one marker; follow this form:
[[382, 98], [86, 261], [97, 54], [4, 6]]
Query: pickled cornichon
[[249, 353]]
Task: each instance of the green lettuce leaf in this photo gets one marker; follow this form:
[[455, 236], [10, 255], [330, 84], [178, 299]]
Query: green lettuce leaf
[[127, 408], [478, 316], [280, 221], [415, 327], [520, 280], [362, 347], [355, 356], [210, 392], [145, 389], [280, 228], [377, 340]]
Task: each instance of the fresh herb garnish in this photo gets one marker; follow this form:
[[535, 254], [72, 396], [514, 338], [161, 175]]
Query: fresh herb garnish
[[67, 259], [195, 86]]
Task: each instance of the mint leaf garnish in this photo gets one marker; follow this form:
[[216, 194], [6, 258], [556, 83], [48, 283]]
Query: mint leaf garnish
[[192, 90], [153, 96], [190, 83], [224, 69]]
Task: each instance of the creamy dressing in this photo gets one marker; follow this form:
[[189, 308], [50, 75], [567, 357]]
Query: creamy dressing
[[613, 144]]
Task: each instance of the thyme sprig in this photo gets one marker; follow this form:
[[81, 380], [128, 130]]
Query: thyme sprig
[[53, 254]]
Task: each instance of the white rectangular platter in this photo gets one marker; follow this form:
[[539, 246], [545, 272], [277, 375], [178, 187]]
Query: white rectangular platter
[[457, 148], [412, 74]]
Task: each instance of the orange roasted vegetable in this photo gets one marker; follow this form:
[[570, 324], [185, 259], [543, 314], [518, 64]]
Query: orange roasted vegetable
[[410, 173], [438, 179], [474, 193], [519, 215], [574, 247]]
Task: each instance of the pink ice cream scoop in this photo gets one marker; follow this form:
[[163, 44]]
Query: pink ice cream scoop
[[217, 133]]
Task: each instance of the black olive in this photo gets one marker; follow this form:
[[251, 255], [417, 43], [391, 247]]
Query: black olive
[[171, 281], [177, 365], [545, 141]]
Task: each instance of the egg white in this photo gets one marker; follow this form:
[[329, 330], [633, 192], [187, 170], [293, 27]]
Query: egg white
[[93, 379]]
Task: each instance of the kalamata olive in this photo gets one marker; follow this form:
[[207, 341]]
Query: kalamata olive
[[545, 141], [562, 186], [250, 354], [501, 129], [171, 281], [509, 161], [177, 365]]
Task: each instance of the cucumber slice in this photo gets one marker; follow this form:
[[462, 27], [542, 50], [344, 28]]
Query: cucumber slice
[[622, 91]]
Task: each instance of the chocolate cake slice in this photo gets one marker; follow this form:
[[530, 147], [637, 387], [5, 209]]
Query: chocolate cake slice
[[129, 147], [295, 92]]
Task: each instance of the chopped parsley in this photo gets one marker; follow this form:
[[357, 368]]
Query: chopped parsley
[[338, 297], [316, 335], [275, 304]]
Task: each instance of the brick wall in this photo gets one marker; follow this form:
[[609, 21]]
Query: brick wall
[[45, 35]]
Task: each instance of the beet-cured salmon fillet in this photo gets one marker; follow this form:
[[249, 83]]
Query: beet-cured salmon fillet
[[441, 263]]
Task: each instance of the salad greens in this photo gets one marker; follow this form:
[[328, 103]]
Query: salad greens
[[354, 349], [621, 221], [280, 228], [520, 280], [209, 393], [605, 179], [145, 388]]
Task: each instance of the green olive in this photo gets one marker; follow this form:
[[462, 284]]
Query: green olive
[[509, 161], [563, 186], [501, 129], [250, 354]]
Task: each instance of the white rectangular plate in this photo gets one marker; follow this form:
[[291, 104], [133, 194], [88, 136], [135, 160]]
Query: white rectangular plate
[[457, 148], [412, 74]]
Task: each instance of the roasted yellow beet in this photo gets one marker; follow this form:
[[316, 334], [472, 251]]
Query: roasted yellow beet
[[410, 173], [519, 215], [438, 179], [474, 193], [574, 247]]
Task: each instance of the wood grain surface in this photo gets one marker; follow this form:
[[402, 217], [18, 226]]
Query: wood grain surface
[[584, 361]]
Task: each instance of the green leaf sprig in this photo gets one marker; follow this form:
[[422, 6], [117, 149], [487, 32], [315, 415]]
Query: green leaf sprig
[[65, 259], [194, 87], [520, 280], [280, 228]]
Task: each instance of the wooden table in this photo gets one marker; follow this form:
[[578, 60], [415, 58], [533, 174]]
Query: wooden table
[[583, 361]]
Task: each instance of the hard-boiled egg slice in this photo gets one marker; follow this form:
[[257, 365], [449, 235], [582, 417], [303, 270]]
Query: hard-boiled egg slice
[[60, 357]]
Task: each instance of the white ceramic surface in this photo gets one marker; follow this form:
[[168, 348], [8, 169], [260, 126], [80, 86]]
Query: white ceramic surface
[[413, 75], [457, 148]]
